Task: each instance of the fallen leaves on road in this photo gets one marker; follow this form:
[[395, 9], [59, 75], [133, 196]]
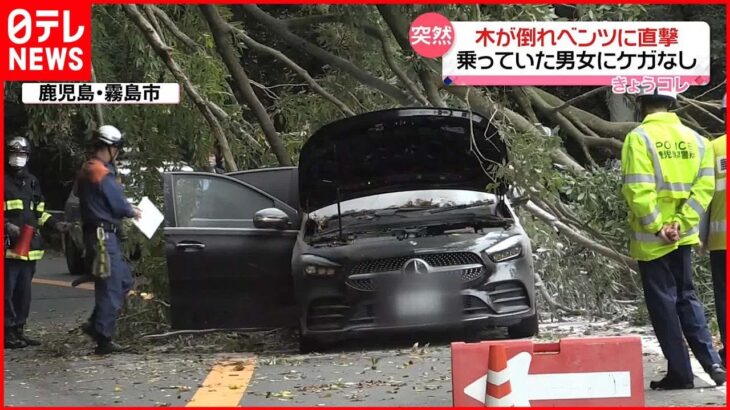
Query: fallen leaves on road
[[283, 395]]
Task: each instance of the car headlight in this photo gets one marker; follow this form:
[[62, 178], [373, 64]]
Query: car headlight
[[508, 249], [317, 266]]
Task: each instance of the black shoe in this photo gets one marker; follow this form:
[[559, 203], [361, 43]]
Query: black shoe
[[717, 374], [82, 279], [88, 329], [109, 347], [669, 384], [20, 334], [12, 341]]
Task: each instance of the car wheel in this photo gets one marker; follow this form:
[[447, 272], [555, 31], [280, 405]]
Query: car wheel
[[528, 327], [74, 260], [307, 344]]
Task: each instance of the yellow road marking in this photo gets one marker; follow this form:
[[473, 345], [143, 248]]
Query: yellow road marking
[[225, 385], [86, 286]]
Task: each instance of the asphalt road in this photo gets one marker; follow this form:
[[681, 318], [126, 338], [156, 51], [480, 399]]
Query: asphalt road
[[374, 373]]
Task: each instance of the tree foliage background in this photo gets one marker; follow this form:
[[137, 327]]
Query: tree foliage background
[[259, 80]]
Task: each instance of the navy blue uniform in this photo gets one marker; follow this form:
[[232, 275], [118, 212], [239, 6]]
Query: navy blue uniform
[[24, 205], [103, 204], [675, 310]]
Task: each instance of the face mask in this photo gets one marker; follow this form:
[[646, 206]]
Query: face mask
[[18, 161]]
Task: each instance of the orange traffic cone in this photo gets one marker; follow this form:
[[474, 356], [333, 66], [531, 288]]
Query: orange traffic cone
[[23, 246], [499, 389]]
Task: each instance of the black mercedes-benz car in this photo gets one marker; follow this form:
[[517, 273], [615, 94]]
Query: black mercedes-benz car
[[393, 221]]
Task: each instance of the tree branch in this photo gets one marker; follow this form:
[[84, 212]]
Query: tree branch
[[579, 238], [397, 24], [390, 59], [371, 31], [540, 286], [253, 44], [432, 92], [579, 98], [233, 125], [98, 112], [691, 122], [156, 24], [277, 26], [175, 30], [616, 130], [305, 21], [702, 110], [570, 128], [164, 52], [207, 331], [220, 30], [582, 127], [524, 102]]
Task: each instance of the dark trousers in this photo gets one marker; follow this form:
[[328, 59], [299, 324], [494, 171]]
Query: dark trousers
[[18, 283], [109, 293], [675, 310], [717, 262]]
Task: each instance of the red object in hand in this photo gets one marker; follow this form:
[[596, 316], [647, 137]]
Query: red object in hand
[[26, 236]]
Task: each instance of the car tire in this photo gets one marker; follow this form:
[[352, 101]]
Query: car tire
[[307, 344], [528, 327], [74, 260]]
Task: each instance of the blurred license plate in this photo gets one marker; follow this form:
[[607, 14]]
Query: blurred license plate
[[414, 300], [415, 304]]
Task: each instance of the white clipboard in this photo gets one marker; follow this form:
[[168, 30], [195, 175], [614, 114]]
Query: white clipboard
[[151, 218]]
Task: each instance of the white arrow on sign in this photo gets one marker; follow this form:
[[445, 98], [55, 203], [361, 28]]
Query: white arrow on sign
[[554, 386]]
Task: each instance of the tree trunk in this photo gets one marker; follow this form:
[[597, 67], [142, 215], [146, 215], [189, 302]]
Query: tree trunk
[[221, 33], [619, 108], [280, 28], [164, 52]]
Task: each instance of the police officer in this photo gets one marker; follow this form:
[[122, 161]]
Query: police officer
[[24, 205], [716, 241], [103, 205], [668, 183]]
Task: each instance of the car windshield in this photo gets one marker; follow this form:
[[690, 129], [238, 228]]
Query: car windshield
[[442, 198]]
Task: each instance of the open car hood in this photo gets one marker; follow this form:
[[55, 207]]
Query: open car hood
[[399, 150]]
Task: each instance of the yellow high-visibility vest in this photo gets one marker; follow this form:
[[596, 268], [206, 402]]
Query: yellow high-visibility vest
[[717, 230], [668, 177], [33, 255]]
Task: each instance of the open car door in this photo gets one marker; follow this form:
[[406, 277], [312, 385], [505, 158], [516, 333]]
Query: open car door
[[228, 247]]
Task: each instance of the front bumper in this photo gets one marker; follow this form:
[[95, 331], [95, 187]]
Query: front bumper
[[488, 304]]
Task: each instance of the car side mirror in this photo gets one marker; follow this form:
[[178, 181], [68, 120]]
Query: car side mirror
[[271, 218]]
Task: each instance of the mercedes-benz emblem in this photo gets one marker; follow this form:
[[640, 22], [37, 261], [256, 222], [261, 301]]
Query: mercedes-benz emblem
[[415, 266]]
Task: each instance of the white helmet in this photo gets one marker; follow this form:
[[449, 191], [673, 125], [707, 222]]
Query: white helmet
[[109, 135], [644, 91]]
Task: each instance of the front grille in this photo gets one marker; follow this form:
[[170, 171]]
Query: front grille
[[508, 296], [468, 275], [327, 314], [434, 259], [455, 259], [365, 285]]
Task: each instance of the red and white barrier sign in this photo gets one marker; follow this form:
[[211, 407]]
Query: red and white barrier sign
[[573, 372]]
